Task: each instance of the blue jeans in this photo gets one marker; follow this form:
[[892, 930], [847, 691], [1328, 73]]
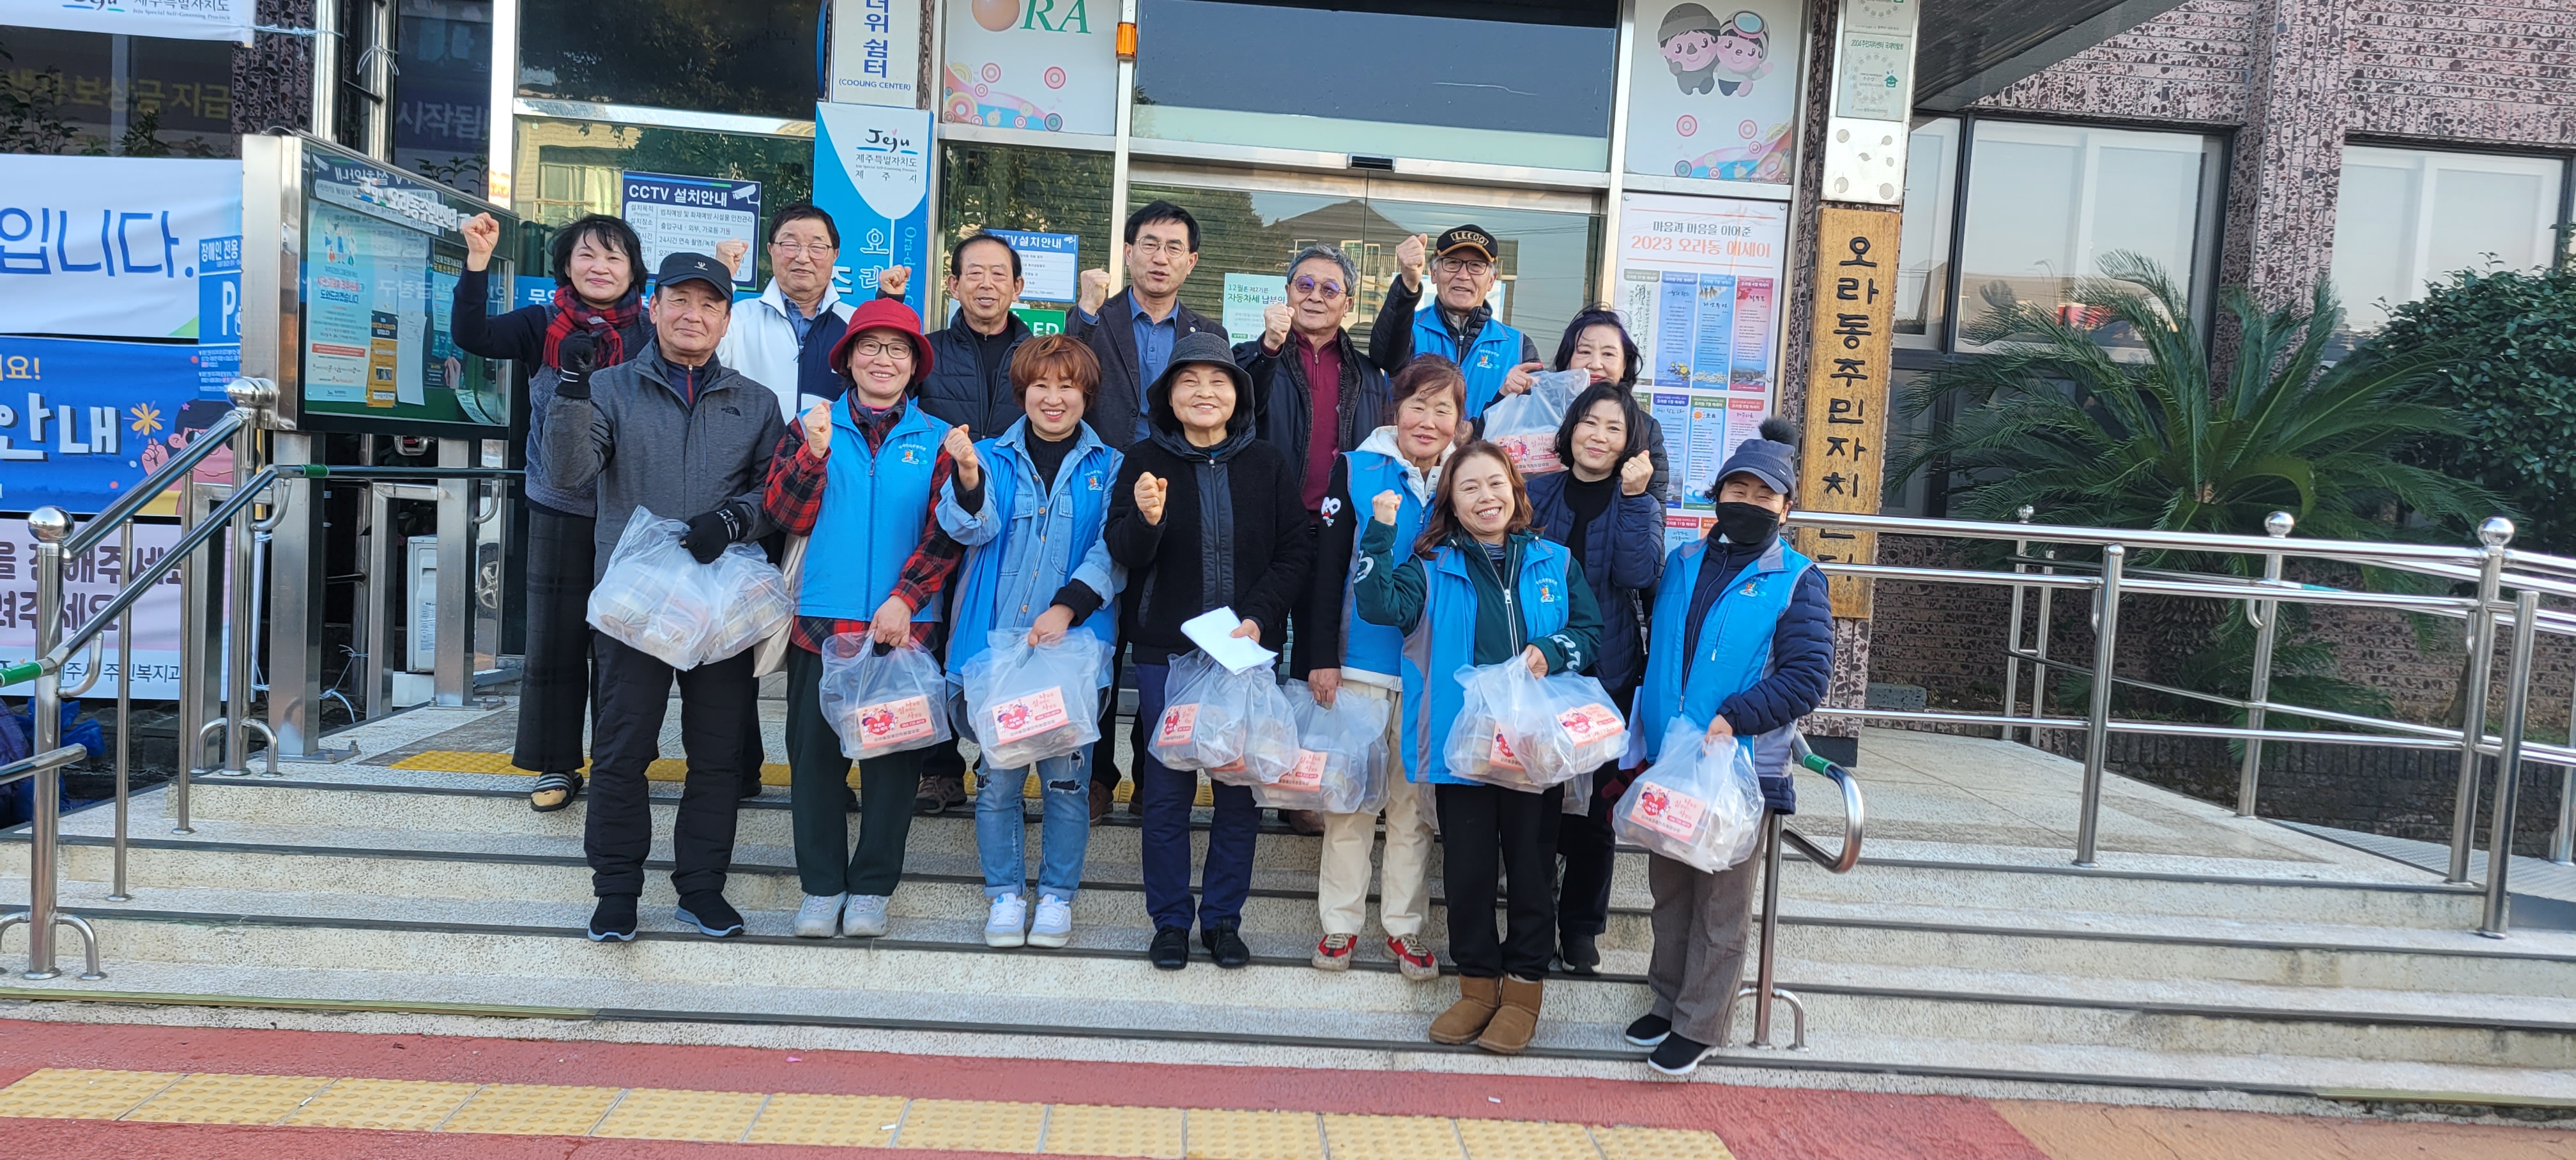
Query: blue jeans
[[1002, 830], [1164, 797]]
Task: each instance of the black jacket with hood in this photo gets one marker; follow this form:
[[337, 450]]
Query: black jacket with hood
[[1285, 403]]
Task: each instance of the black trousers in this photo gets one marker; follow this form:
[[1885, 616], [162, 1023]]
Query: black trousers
[[818, 793], [555, 684], [1104, 753], [1486, 829], [1589, 850], [717, 702]]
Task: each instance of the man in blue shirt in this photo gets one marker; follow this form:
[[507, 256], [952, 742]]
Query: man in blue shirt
[[1133, 332]]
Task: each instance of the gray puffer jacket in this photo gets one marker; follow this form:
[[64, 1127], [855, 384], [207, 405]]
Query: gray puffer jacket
[[648, 445]]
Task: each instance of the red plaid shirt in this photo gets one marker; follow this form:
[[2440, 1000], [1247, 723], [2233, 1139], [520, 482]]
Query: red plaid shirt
[[795, 497]]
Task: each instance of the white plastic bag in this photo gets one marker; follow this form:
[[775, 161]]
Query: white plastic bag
[[1698, 805], [883, 704], [1033, 702], [1528, 733], [1525, 425], [655, 598], [1341, 756], [1578, 795], [1236, 726]]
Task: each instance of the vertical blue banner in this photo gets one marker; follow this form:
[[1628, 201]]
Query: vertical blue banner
[[872, 174]]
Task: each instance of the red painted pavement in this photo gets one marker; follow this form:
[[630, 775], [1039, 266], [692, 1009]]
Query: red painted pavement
[[1757, 1123], [76, 1139]]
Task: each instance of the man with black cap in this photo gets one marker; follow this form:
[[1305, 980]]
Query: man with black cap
[[1496, 357], [679, 434]]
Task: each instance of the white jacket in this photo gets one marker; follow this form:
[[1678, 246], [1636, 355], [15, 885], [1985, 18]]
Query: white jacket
[[761, 343]]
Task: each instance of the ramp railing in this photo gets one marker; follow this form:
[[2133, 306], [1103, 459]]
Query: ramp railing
[[1776, 838]]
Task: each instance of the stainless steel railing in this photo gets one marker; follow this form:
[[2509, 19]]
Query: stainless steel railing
[[41, 915], [1776, 838]]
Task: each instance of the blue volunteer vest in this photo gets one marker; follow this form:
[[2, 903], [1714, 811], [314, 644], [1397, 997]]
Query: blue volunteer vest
[[1377, 648], [870, 522], [1443, 641], [1485, 363], [1734, 644], [1074, 514]]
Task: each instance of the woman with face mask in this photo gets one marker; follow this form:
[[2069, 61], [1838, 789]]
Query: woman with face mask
[[1600, 508], [1478, 587], [1743, 646]]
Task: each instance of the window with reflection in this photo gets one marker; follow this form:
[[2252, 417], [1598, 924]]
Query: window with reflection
[[565, 169], [1010, 187], [443, 91], [2045, 203], [1516, 82], [114, 96], [755, 57], [2407, 218], [1923, 248]]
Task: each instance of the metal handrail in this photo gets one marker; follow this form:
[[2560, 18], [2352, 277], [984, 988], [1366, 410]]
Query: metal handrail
[[95, 531], [44, 839], [1777, 836], [2141, 538]]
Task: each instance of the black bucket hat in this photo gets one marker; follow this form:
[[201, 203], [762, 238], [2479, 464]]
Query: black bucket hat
[[1209, 347]]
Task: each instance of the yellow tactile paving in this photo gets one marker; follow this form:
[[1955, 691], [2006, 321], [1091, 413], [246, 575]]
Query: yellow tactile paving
[[70, 1093], [473, 761], [1659, 1144], [1392, 1137], [848, 1121], [513, 1109], [207, 1098], [401, 1105], [1525, 1140], [1099, 1130], [664, 1114], [971, 1126], [1231, 1135]]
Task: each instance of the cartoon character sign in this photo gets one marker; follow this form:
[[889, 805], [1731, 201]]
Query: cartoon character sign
[[1706, 53]]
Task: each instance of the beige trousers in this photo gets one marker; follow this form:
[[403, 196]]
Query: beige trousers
[[1342, 881]]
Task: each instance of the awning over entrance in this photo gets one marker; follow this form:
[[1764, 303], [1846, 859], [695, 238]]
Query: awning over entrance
[[1972, 48]]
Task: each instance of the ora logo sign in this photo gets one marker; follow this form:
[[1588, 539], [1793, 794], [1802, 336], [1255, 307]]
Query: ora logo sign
[[1034, 15]]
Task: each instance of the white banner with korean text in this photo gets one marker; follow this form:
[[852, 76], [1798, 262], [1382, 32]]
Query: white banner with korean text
[[107, 247], [180, 19]]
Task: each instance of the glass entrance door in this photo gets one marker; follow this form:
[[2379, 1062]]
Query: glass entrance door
[[1250, 222]]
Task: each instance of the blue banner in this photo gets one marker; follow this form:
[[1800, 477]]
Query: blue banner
[[872, 174], [82, 420]]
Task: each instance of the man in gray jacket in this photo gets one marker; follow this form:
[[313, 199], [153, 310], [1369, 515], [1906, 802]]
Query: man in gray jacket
[[676, 433]]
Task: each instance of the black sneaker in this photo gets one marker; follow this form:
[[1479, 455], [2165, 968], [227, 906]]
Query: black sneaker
[[1226, 947], [1648, 1030], [1577, 954], [1171, 950], [1677, 1055], [613, 920], [939, 792], [708, 911]]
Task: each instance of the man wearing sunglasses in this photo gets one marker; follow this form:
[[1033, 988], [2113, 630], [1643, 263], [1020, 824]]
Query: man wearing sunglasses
[[1496, 358], [1314, 394]]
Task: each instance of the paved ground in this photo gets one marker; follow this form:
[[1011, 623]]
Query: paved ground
[[129, 1090]]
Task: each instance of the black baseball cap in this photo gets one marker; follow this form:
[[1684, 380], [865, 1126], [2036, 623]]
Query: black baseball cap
[[683, 266], [1469, 238]]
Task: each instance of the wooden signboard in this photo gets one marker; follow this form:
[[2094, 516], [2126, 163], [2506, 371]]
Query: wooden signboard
[[1845, 431]]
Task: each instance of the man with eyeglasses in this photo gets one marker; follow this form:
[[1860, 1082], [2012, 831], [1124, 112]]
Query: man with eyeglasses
[[1496, 358], [781, 338], [1133, 332], [1315, 395]]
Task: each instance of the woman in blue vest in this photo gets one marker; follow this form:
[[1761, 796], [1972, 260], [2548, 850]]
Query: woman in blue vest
[[1035, 563], [1743, 646], [1603, 509], [1477, 587], [861, 481], [1341, 655]]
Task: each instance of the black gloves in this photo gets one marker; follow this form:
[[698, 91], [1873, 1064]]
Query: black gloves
[[708, 534], [573, 357]]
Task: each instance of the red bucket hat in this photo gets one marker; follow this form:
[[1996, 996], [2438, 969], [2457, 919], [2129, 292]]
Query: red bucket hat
[[888, 314]]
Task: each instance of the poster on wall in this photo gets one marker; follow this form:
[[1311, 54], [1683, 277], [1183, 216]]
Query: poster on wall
[[1247, 297], [178, 19], [1713, 90], [676, 214], [872, 174], [382, 257], [1699, 286], [107, 247], [81, 421], [1049, 263], [1043, 65], [90, 580], [876, 52]]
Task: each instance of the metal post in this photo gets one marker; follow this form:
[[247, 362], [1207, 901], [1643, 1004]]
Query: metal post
[[2097, 732], [195, 573], [1764, 978], [49, 526], [2495, 533], [242, 611], [2012, 635], [295, 587], [124, 708], [2562, 841], [2039, 670], [2517, 704], [452, 634], [2266, 617]]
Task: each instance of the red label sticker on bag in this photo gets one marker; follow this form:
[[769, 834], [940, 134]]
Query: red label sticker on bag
[[1308, 773], [1591, 723], [1502, 756], [1024, 717], [1179, 722], [1666, 812], [893, 722]]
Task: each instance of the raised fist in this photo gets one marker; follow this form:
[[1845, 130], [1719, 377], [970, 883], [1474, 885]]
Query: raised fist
[[1636, 473], [1149, 497], [892, 280], [1274, 326], [731, 252], [482, 234], [818, 429], [1388, 504], [1094, 291], [1409, 255], [961, 451]]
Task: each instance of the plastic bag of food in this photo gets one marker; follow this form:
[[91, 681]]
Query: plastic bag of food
[[754, 601], [1699, 805], [657, 599], [1340, 767], [1578, 795], [1032, 702], [1528, 733], [1525, 425], [883, 704], [1236, 726]]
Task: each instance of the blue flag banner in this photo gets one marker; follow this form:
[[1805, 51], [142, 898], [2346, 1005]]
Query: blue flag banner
[[872, 174], [81, 421]]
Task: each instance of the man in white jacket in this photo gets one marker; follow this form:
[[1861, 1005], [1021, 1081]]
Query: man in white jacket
[[782, 339]]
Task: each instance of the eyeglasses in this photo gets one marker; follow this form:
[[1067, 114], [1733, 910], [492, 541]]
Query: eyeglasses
[[1307, 285], [801, 249], [899, 349], [1474, 266], [1154, 247]]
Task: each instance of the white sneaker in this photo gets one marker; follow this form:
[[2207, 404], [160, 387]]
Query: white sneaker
[[1007, 925], [865, 917], [819, 915], [1054, 925]]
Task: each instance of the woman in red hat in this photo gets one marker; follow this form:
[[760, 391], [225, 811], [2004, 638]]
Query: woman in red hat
[[860, 481]]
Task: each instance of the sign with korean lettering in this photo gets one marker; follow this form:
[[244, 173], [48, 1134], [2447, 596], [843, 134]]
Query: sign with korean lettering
[[876, 52], [1847, 377], [872, 174], [81, 421], [179, 19], [1046, 66], [108, 247], [1048, 262], [676, 214], [90, 581]]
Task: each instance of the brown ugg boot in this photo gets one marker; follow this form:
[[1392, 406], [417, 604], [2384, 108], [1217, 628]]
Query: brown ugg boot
[[1468, 1016], [1516, 1020]]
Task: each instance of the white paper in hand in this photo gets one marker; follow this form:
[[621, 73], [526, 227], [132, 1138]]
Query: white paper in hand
[[1213, 632]]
